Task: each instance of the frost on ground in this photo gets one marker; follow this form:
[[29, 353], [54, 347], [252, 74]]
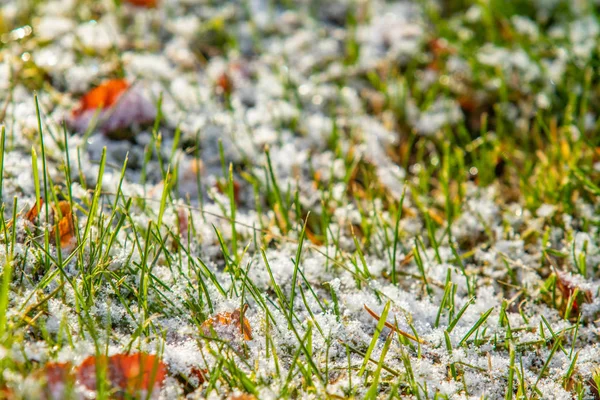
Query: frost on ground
[[353, 199]]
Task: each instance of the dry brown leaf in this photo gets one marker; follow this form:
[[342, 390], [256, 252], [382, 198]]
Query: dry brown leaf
[[143, 3], [102, 96], [58, 376], [33, 213], [224, 84], [200, 374], [228, 319], [132, 375]]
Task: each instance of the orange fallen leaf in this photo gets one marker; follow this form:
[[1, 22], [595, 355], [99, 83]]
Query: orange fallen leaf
[[102, 96], [143, 3], [228, 319], [132, 375], [192, 381], [224, 84], [113, 107], [200, 374], [7, 393], [59, 376], [242, 396], [63, 221], [30, 215], [33, 213], [140, 371]]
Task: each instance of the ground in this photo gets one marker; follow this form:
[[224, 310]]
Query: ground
[[300, 199]]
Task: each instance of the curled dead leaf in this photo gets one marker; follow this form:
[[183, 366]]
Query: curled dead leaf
[[192, 381], [102, 96], [98, 108], [63, 222], [59, 378], [200, 374], [30, 215], [235, 318], [33, 213], [224, 84]]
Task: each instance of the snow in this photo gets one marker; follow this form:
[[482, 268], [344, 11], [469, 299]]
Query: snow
[[289, 90]]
